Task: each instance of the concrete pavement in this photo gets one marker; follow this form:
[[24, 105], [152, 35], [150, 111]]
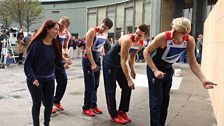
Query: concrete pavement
[[189, 106]]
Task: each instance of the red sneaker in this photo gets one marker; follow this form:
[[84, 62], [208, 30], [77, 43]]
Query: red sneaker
[[119, 120], [59, 106], [97, 110], [53, 110], [125, 116], [88, 112]]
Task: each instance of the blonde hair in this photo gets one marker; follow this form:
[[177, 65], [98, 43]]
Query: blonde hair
[[181, 24], [64, 19]]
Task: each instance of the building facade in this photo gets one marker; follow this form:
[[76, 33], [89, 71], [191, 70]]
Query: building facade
[[157, 14], [126, 15], [84, 14]]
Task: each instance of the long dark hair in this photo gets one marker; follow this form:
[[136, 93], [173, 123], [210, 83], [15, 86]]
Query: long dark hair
[[42, 33]]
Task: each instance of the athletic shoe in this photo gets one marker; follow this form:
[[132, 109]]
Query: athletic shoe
[[125, 116], [59, 106], [88, 112], [53, 110], [97, 110], [119, 120]]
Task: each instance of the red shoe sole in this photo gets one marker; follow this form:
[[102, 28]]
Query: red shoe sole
[[97, 112], [87, 114], [60, 109], [118, 122]]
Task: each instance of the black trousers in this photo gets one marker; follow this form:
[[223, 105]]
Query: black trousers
[[43, 93], [20, 58]]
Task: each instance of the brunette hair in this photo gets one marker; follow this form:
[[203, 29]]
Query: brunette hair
[[42, 33], [108, 22], [144, 28]]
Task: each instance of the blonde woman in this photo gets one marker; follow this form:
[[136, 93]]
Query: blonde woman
[[168, 46]]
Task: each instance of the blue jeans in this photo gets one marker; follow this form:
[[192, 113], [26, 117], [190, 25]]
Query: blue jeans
[[91, 81], [44, 92], [159, 95], [111, 75], [199, 56]]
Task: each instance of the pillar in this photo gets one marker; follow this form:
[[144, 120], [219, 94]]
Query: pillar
[[199, 16]]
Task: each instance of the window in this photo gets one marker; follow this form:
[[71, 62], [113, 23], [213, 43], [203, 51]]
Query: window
[[129, 29], [110, 35], [55, 12], [118, 33]]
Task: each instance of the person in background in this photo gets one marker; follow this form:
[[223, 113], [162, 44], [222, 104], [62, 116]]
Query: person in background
[[60, 73], [164, 50], [146, 42], [43, 54], [71, 46], [182, 57], [84, 45], [199, 48], [27, 38], [3, 38], [91, 64], [20, 33], [80, 43], [21, 48], [115, 69]]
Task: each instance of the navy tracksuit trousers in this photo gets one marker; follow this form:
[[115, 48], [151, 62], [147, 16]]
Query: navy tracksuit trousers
[[91, 81], [159, 95], [61, 79], [111, 76]]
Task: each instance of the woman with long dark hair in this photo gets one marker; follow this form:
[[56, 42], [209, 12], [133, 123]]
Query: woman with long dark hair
[[44, 52]]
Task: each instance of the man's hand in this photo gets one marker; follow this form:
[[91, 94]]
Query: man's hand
[[209, 85], [66, 66], [131, 84], [159, 74], [133, 74], [36, 83], [68, 61], [94, 67]]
